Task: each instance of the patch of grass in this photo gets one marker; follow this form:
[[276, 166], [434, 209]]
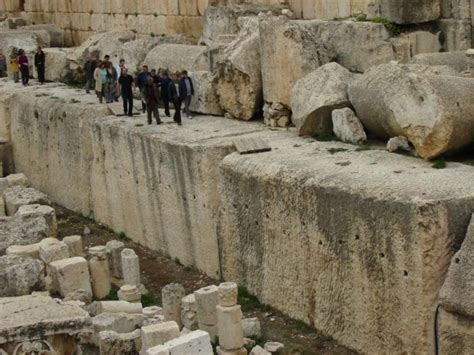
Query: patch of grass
[[325, 137], [391, 27], [122, 236], [363, 148], [112, 296], [249, 302], [361, 17], [155, 14], [152, 34], [177, 261], [336, 150], [439, 164], [467, 162], [149, 299]]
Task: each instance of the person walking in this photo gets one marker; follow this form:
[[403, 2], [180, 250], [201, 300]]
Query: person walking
[[141, 82], [126, 88], [15, 68], [3, 65], [40, 61], [186, 92], [165, 83], [100, 77], [25, 71], [174, 97], [110, 84], [89, 68], [151, 95]]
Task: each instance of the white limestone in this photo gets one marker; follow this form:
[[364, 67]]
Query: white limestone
[[74, 243], [157, 334], [197, 342], [189, 312], [71, 275], [129, 293], [228, 294], [51, 249], [130, 267], [114, 250], [230, 327], [171, 296], [100, 275]]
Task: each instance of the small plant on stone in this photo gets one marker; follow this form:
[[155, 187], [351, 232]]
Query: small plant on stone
[[152, 34], [391, 27], [362, 148], [163, 35], [325, 137], [439, 164], [112, 296], [74, 101], [336, 150], [122, 236], [361, 17], [155, 14]]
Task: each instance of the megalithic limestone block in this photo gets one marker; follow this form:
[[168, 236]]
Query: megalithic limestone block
[[410, 11], [130, 267], [434, 112]]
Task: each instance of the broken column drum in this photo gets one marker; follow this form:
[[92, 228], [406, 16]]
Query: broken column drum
[[171, 297], [100, 275], [130, 267]]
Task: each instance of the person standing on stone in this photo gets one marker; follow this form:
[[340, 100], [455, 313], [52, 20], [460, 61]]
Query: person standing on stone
[[40, 65], [186, 92], [25, 71], [3, 65], [14, 67], [126, 88], [151, 95], [110, 84], [100, 77], [89, 69], [165, 82], [141, 82], [174, 97]]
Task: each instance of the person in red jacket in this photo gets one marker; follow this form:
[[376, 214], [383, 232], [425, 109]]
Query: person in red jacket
[[23, 63]]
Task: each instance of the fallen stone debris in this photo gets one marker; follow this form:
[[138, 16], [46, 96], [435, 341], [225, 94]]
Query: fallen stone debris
[[362, 115]]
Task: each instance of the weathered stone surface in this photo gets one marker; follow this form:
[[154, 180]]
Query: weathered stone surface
[[398, 144], [251, 328], [30, 250], [37, 315], [56, 34], [114, 253], [47, 212], [117, 322], [458, 289], [158, 334], [355, 45], [410, 11], [130, 267], [228, 294], [57, 65], [51, 249], [205, 99], [20, 275], [129, 293], [178, 57], [171, 296], [456, 333], [207, 298], [118, 307], [112, 343], [189, 312], [196, 342], [347, 126], [229, 327], [18, 231], [27, 40], [74, 243], [258, 350], [19, 179], [456, 60], [314, 97], [71, 275], [273, 346], [457, 34], [434, 112], [239, 81], [317, 191], [289, 51], [18, 196], [100, 276]]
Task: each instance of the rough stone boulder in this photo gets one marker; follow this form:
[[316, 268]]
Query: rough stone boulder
[[57, 65], [355, 45], [435, 112], [101, 44], [289, 51], [239, 82], [56, 34], [314, 97], [456, 60], [178, 57], [22, 231], [457, 293], [205, 99], [33, 211], [28, 40], [347, 126], [20, 275], [410, 11], [224, 20], [18, 196]]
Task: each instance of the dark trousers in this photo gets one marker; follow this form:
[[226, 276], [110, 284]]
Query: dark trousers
[[152, 108], [25, 74], [177, 110], [40, 70], [90, 84], [127, 103], [166, 104]]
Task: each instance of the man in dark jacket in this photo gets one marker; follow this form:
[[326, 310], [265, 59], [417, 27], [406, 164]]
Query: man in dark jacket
[[39, 64], [151, 95], [89, 69], [141, 82], [126, 88], [173, 96], [186, 92], [165, 83]]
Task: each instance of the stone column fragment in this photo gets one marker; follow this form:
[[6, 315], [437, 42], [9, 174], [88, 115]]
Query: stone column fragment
[[207, 298], [74, 243], [130, 267], [171, 297], [100, 275], [229, 325], [114, 251]]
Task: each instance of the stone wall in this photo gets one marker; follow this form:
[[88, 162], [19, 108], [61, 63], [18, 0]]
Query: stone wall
[[356, 244]]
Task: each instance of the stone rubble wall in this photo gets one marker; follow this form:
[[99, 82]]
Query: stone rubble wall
[[356, 244]]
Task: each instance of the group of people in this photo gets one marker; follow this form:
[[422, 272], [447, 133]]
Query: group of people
[[19, 64], [112, 81]]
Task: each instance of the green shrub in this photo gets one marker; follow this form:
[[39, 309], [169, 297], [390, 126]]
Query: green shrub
[[391, 27], [149, 299], [439, 164]]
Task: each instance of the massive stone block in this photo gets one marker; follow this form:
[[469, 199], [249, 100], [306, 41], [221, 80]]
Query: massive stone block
[[435, 112], [410, 11], [289, 51], [20, 275], [456, 60], [351, 237], [177, 57], [205, 99]]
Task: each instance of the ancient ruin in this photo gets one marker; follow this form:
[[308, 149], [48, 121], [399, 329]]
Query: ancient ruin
[[326, 175]]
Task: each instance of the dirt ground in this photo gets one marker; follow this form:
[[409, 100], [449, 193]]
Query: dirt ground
[[158, 271]]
